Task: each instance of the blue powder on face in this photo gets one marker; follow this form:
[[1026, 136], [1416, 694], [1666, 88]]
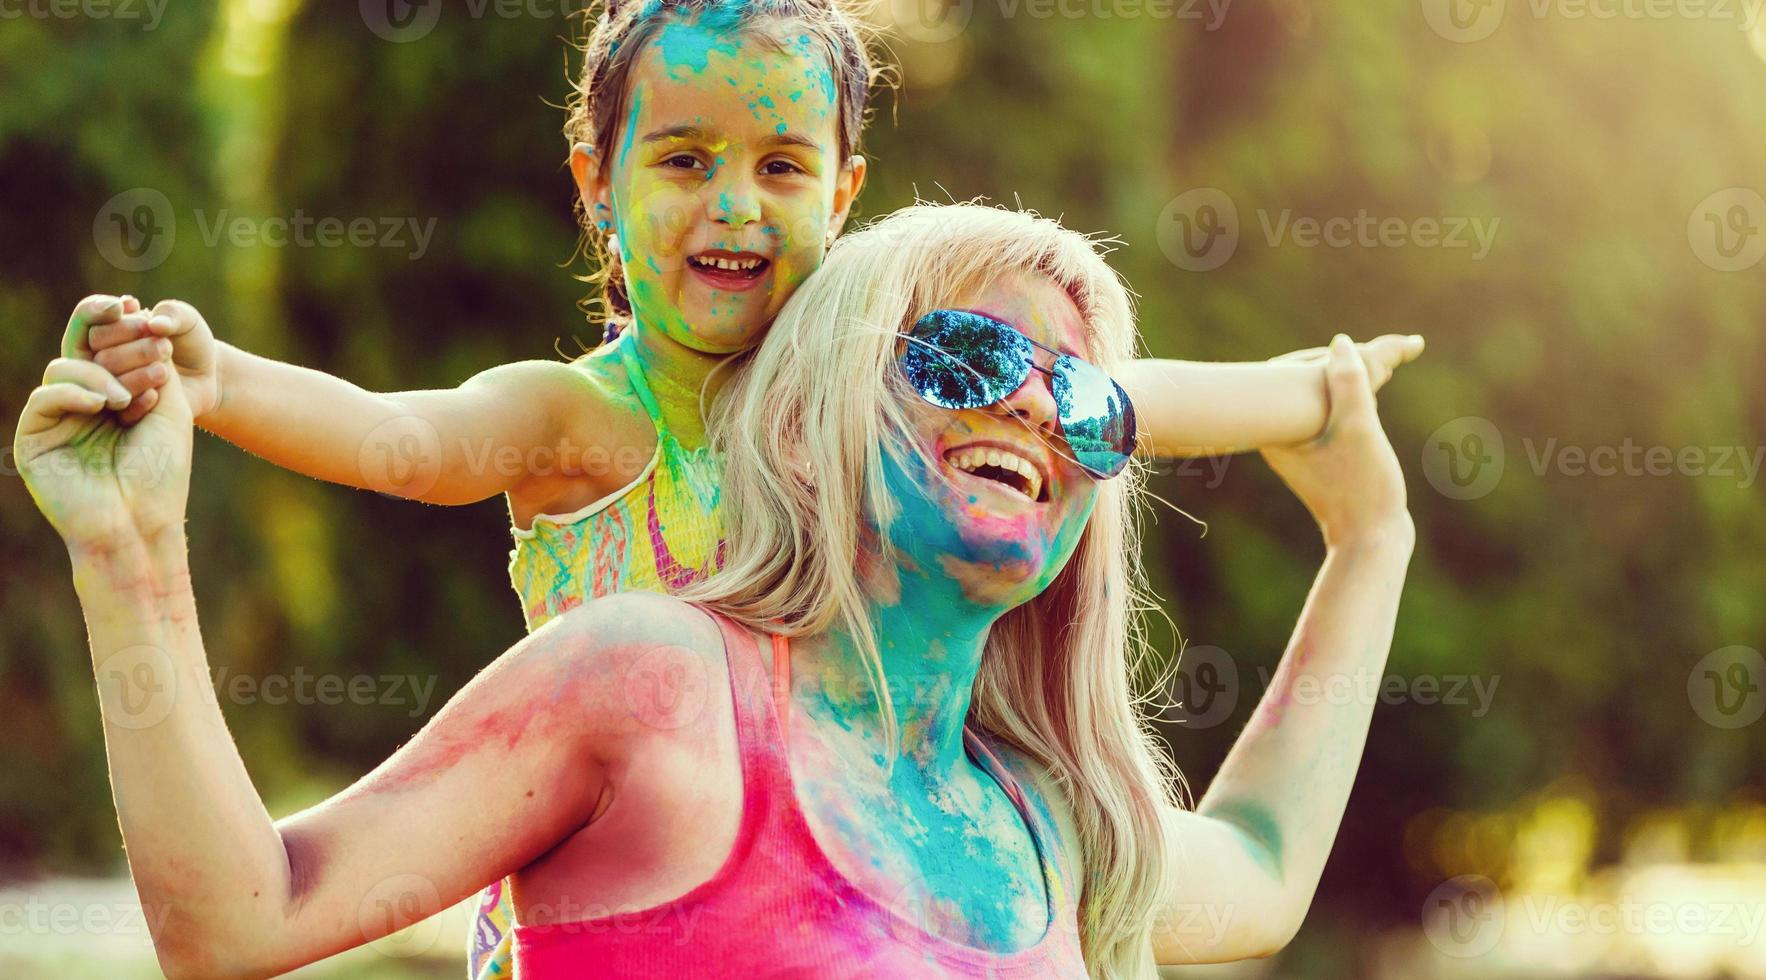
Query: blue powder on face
[[688, 46]]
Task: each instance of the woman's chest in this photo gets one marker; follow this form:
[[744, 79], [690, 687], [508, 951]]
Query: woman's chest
[[952, 853]]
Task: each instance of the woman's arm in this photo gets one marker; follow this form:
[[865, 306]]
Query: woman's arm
[[461, 445], [1247, 861], [1202, 408], [512, 765]]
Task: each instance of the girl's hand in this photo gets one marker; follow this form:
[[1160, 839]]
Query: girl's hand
[[1348, 477], [171, 330], [1383, 355], [99, 484]]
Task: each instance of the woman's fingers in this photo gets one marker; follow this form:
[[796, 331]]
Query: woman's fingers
[[50, 403], [139, 408], [88, 313], [88, 375], [172, 317]]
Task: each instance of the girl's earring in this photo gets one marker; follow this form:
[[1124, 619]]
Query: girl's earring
[[612, 244]]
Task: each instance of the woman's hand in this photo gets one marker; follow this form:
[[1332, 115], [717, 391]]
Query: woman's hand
[[1348, 477], [102, 485]]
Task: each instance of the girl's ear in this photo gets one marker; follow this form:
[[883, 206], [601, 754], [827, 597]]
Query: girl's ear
[[592, 185], [847, 185]]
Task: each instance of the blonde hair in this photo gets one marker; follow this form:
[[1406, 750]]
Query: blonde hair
[[803, 424]]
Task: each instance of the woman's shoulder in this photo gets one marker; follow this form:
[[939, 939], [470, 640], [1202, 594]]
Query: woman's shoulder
[[640, 619]]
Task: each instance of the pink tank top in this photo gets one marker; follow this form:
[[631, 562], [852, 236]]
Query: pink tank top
[[778, 907]]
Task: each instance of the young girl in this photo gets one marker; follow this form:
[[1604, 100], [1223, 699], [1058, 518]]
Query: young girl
[[933, 766], [714, 148]]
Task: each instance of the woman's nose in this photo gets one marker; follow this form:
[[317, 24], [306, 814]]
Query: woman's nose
[[1034, 401]]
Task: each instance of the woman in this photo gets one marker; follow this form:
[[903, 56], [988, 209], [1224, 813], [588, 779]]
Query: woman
[[931, 765]]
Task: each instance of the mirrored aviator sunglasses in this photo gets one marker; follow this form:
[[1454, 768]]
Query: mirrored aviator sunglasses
[[961, 359]]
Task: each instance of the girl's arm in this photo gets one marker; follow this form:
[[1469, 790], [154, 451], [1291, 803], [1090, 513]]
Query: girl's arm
[[1202, 408], [448, 446], [1246, 862]]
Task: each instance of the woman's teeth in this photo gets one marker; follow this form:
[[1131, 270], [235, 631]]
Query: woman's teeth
[[1005, 467]]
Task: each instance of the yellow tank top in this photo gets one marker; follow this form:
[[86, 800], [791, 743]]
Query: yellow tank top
[[658, 533]]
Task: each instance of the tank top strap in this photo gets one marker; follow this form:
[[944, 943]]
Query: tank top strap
[[634, 370], [757, 693]]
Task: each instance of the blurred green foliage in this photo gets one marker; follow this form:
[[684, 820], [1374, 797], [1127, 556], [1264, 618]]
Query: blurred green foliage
[[1586, 143]]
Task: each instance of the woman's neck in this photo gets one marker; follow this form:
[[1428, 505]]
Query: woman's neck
[[930, 637]]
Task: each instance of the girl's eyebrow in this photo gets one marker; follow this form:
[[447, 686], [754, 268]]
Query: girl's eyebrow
[[792, 139], [675, 133]]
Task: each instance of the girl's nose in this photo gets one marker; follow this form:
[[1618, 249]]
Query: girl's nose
[[734, 202]]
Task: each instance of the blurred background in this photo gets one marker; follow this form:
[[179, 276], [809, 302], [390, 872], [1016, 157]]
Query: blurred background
[[1564, 777]]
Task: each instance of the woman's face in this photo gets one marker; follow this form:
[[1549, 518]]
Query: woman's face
[[1006, 538], [726, 178]]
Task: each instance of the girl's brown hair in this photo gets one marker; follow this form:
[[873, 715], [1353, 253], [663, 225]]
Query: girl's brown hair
[[622, 29]]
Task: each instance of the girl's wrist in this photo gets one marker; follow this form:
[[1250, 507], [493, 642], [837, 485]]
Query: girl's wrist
[[132, 569]]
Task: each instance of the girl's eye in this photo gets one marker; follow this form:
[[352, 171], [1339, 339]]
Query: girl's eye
[[684, 161], [777, 168]]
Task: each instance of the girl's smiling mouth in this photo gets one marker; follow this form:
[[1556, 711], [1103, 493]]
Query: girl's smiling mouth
[[729, 271]]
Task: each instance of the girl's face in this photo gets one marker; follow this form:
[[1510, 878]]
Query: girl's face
[[726, 181], [1004, 540]]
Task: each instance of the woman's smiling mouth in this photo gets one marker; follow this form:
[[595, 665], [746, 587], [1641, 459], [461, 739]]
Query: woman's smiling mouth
[[729, 271], [1012, 470]]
